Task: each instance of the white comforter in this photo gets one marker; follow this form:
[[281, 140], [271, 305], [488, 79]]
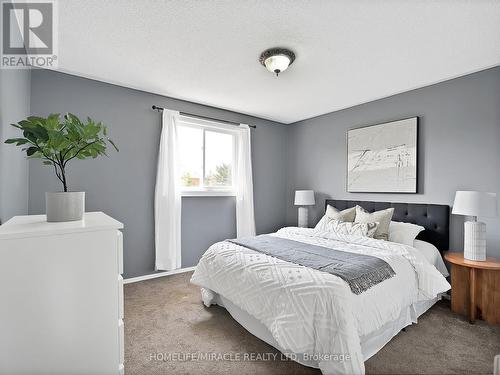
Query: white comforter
[[313, 312]]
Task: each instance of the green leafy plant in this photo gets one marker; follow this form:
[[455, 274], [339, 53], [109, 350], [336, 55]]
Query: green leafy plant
[[59, 139], [222, 175]]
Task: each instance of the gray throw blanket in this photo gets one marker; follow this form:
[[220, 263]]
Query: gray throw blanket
[[360, 271]]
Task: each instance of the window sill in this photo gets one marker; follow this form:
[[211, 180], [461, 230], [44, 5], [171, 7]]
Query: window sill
[[207, 193]]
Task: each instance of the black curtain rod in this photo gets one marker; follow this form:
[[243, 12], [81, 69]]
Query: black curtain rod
[[159, 109]]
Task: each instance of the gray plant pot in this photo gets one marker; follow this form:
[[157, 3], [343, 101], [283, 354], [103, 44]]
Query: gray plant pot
[[68, 206]]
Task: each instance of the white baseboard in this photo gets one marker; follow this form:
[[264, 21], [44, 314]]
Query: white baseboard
[[158, 274]]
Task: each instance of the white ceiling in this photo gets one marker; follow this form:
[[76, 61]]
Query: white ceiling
[[348, 52]]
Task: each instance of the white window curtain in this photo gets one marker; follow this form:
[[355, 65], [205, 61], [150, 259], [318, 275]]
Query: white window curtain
[[245, 220], [168, 197]]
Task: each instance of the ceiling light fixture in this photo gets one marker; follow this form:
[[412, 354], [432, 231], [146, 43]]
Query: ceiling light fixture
[[277, 60]]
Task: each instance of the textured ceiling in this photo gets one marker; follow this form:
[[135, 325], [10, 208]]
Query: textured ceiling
[[348, 52]]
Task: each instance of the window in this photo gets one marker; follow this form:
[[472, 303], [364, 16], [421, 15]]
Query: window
[[207, 158]]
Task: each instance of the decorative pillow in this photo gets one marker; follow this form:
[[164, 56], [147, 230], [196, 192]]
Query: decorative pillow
[[404, 233], [353, 229], [382, 217], [345, 215], [322, 223], [332, 213]]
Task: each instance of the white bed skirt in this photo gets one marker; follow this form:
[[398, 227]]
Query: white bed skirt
[[370, 344]]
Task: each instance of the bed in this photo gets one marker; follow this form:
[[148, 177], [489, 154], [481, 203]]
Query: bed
[[313, 317]]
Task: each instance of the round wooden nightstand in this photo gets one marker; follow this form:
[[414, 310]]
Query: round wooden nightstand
[[475, 287]]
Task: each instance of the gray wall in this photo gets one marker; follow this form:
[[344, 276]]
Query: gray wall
[[14, 106], [459, 147], [123, 184]]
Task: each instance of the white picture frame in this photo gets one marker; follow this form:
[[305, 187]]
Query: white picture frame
[[383, 158]]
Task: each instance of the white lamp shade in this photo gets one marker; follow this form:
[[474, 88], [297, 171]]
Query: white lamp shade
[[304, 198], [475, 203]]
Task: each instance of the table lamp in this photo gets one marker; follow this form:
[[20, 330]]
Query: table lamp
[[474, 204], [304, 198]]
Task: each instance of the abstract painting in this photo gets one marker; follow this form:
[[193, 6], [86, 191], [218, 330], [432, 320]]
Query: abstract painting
[[383, 158]]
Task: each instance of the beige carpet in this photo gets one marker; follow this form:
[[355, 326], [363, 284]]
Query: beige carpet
[[165, 317]]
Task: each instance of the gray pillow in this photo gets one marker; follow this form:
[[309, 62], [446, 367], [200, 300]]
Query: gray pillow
[[382, 217], [345, 215], [333, 214]]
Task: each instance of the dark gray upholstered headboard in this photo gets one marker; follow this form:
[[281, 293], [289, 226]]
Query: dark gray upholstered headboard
[[435, 218]]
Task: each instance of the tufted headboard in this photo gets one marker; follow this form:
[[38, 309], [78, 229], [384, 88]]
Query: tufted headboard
[[435, 218]]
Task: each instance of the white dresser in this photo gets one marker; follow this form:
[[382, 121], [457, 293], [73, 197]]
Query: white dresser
[[61, 296]]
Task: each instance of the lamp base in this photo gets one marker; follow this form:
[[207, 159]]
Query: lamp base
[[475, 240], [303, 217]]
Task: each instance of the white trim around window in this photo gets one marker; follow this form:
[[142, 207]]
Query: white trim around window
[[210, 191]]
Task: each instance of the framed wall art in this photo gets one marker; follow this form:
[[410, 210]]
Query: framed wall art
[[383, 158]]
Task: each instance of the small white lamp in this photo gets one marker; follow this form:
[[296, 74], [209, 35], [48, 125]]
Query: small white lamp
[[304, 198], [475, 203]]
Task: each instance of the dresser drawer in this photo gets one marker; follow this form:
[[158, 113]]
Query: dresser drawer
[[120, 251]]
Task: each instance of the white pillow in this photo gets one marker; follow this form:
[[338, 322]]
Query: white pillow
[[404, 233], [353, 229], [432, 254], [322, 223]]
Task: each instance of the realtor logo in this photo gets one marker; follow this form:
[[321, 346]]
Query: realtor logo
[[28, 34]]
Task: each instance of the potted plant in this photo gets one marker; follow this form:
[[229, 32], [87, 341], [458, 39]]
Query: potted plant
[[58, 140]]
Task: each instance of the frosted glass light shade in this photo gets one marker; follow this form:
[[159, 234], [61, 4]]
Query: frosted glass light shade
[[277, 63], [304, 198], [277, 60], [475, 203]]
